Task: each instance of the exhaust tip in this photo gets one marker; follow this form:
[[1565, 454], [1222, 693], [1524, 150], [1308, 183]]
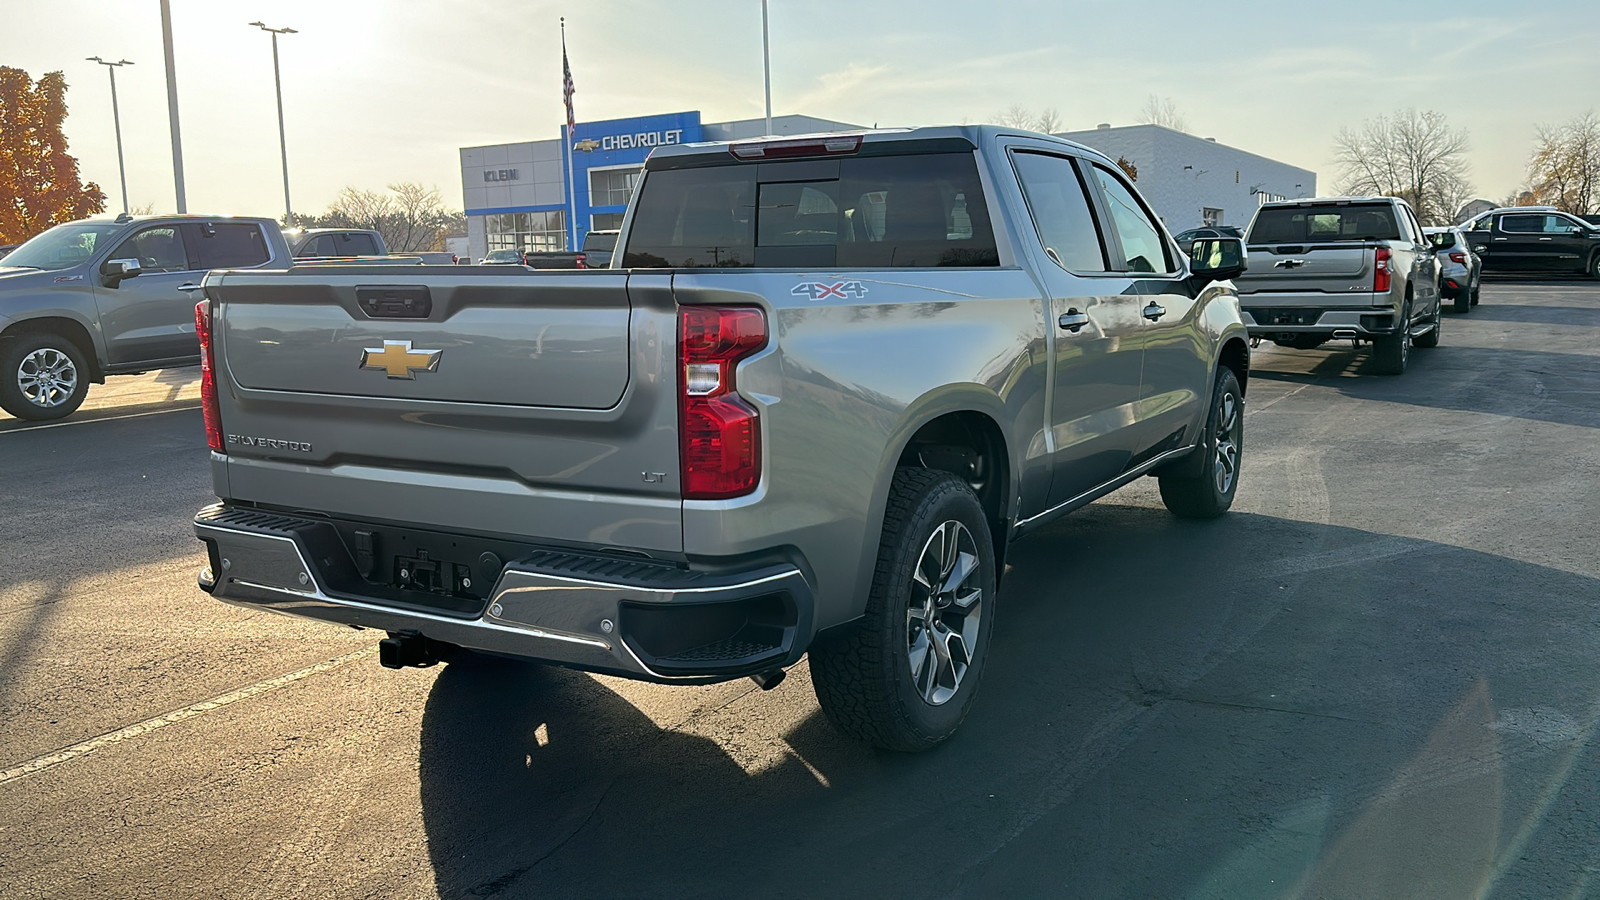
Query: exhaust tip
[[1344, 333], [769, 679]]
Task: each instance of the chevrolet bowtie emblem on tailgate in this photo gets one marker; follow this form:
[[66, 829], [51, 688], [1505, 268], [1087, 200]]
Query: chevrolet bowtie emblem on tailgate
[[397, 359]]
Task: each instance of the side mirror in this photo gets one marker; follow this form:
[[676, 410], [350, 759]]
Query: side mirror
[[116, 270], [1217, 259]]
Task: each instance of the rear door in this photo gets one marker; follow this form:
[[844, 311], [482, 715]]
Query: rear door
[[1093, 318], [498, 400], [1517, 245]]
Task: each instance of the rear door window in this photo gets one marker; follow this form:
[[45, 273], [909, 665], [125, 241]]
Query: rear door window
[[1143, 248], [1522, 224], [228, 245], [1059, 205], [858, 212], [158, 249], [354, 245]]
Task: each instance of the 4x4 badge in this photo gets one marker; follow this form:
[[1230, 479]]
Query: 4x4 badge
[[397, 359], [817, 290]]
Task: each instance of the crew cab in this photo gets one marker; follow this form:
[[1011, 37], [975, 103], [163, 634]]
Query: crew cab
[[1524, 240], [826, 384], [1356, 268], [103, 296]]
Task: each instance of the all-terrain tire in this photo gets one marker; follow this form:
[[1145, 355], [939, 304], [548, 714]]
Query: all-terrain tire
[[1207, 491], [1391, 352], [1430, 339], [865, 674], [43, 376]]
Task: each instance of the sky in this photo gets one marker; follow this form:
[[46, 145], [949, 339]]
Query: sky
[[383, 91]]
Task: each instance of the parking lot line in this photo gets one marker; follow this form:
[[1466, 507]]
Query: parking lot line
[[153, 412], [66, 754]]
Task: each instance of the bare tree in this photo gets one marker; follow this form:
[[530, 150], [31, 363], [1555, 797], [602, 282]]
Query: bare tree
[[1564, 168], [409, 216], [1018, 116], [1162, 111], [1413, 155]]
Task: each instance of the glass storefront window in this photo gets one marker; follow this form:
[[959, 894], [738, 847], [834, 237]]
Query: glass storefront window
[[612, 187], [529, 231]]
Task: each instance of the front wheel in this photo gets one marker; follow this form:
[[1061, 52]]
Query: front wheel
[[904, 675], [1594, 266], [1209, 491], [42, 376]]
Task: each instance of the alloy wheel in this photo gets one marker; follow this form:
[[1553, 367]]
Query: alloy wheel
[[1229, 427], [47, 377], [945, 612]]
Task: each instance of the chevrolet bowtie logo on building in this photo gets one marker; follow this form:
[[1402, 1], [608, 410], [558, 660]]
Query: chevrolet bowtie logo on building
[[587, 145], [397, 359]]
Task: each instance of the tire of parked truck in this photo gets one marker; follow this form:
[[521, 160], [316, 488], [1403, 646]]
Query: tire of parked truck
[[1207, 490], [904, 675], [1391, 352], [43, 376], [1594, 265], [1430, 339]]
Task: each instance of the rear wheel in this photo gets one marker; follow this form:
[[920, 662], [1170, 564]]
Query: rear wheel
[[1208, 491], [42, 376], [1391, 352], [1464, 300], [1430, 338], [904, 675], [1476, 287]]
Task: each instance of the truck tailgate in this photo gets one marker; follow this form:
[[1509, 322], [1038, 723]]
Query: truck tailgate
[[494, 400], [1328, 268]]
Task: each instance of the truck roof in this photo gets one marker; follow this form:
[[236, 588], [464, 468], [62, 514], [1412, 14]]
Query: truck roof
[[1324, 201], [954, 137]]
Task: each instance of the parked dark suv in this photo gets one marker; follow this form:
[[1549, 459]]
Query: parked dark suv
[[1525, 240]]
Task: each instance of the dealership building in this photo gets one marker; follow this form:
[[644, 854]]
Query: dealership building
[[516, 195]]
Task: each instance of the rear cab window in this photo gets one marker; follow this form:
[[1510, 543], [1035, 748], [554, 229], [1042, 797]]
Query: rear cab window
[[922, 210], [1325, 224]]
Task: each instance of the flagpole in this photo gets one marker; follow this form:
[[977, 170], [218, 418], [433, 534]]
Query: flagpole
[[766, 63], [572, 193]]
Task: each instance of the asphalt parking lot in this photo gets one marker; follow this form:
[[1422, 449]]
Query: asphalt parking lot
[[1379, 676]]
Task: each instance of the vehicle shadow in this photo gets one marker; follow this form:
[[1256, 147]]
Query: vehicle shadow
[[1542, 385], [1173, 709]]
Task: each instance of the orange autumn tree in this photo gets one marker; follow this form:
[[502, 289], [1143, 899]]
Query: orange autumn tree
[[39, 184]]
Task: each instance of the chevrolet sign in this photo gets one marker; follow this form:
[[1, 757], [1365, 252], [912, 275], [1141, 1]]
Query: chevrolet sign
[[641, 139]]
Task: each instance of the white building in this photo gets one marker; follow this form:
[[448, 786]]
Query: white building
[[1193, 181]]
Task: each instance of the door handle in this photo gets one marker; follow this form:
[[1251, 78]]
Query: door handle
[[1546, 239], [191, 286], [1073, 321], [1154, 311]]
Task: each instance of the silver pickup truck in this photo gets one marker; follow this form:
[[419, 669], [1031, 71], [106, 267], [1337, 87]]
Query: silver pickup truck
[[111, 296], [825, 383], [1356, 268]]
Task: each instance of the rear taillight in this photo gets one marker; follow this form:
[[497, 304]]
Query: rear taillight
[[718, 432], [581, 258], [1380, 277], [1458, 258], [208, 376]]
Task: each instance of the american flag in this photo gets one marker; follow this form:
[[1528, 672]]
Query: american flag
[[567, 88]]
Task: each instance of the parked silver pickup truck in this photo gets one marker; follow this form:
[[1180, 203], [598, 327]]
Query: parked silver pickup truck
[[1356, 268], [106, 296], [824, 385]]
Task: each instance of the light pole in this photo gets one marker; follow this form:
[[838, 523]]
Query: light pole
[[116, 119], [766, 63], [283, 143], [172, 106]]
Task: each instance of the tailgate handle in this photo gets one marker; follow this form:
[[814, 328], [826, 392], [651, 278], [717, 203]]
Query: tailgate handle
[[395, 301]]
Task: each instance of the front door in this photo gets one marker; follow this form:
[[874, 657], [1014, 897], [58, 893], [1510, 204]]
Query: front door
[[147, 318], [1565, 244], [1094, 327], [1176, 372]]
